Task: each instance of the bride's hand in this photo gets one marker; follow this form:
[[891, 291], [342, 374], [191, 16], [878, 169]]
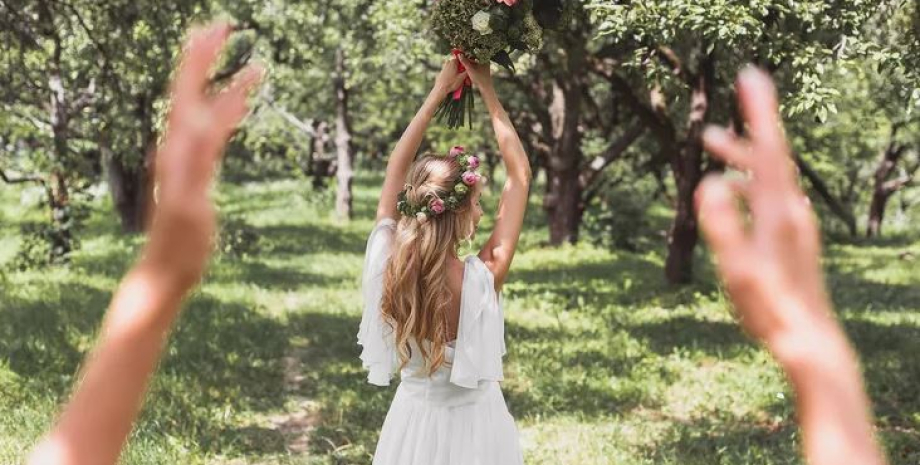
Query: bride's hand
[[480, 73], [449, 79]]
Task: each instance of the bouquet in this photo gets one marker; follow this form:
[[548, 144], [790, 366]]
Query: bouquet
[[488, 31]]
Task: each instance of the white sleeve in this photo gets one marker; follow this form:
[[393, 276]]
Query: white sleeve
[[481, 332], [378, 354]]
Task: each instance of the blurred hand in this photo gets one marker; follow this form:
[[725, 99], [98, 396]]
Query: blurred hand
[[200, 124], [771, 266], [480, 73], [449, 79]]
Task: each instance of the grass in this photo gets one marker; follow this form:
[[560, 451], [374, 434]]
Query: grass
[[606, 364]]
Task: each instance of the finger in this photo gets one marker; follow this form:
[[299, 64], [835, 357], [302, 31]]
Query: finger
[[459, 80], [722, 224], [728, 147], [466, 62], [231, 105], [759, 104], [201, 52], [760, 107]]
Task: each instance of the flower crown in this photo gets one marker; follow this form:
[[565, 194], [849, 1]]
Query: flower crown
[[436, 206]]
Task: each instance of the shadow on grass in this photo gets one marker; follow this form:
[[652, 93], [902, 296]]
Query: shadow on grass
[[625, 280], [42, 332], [301, 239], [270, 277], [715, 338], [549, 375], [733, 441], [221, 358], [114, 263], [892, 379], [853, 292]]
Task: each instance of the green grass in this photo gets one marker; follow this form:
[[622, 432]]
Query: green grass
[[606, 364]]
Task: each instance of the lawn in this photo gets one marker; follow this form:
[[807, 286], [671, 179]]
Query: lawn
[[606, 364]]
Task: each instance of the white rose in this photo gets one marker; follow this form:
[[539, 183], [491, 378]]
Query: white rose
[[481, 22]]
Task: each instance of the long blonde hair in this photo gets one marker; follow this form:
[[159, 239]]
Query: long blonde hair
[[416, 296]]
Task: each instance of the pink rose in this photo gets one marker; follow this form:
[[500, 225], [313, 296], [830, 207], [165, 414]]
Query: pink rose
[[456, 151], [437, 206], [470, 178], [508, 2], [473, 162]]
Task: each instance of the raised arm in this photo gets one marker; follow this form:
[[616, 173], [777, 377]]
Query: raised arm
[[782, 300], [96, 422], [499, 249], [404, 154]]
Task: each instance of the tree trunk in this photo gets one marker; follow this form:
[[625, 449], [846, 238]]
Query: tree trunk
[[130, 183], [319, 162], [129, 187], [562, 202], [687, 164], [344, 154], [877, 212], [62, 240], [882, 189]]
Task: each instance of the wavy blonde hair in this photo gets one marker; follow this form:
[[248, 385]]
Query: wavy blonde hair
[[416, 295]]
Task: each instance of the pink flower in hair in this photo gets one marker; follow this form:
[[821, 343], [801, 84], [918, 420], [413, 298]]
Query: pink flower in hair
[[508, 2], [456, 151], [436, 206], [470, 178], [473, 161]]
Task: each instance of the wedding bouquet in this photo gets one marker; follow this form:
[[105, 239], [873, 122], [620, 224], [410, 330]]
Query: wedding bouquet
[[488, 31]]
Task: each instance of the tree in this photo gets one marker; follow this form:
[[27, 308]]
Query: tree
[[145, 40], [104, 67], [860, 156], [49, 84], [681, 60], [562, 112], [322, 69]]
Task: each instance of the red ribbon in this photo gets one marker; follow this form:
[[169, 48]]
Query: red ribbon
[[458, 93]]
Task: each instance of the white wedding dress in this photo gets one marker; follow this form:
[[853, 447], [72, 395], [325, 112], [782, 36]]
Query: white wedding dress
[[458, 415]]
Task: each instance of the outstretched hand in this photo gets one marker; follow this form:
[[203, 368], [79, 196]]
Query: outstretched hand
[[98, 419], [771, 265], [199, 126]]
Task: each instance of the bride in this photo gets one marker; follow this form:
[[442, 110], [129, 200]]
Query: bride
[[428, 313]]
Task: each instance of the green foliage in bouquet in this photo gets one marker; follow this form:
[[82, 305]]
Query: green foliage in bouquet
[[486, 29], [489, 30]]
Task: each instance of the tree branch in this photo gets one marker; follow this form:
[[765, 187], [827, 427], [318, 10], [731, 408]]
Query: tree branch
[[304, 126], [669, 56], [613, 152], [21, 179], [663, 128], [821, 188]]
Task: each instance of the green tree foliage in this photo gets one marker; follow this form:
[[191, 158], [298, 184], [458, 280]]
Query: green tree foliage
[[678, 60], [79, 85]]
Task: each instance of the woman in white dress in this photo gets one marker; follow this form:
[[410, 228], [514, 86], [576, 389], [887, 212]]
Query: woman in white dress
[[432, 316]]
